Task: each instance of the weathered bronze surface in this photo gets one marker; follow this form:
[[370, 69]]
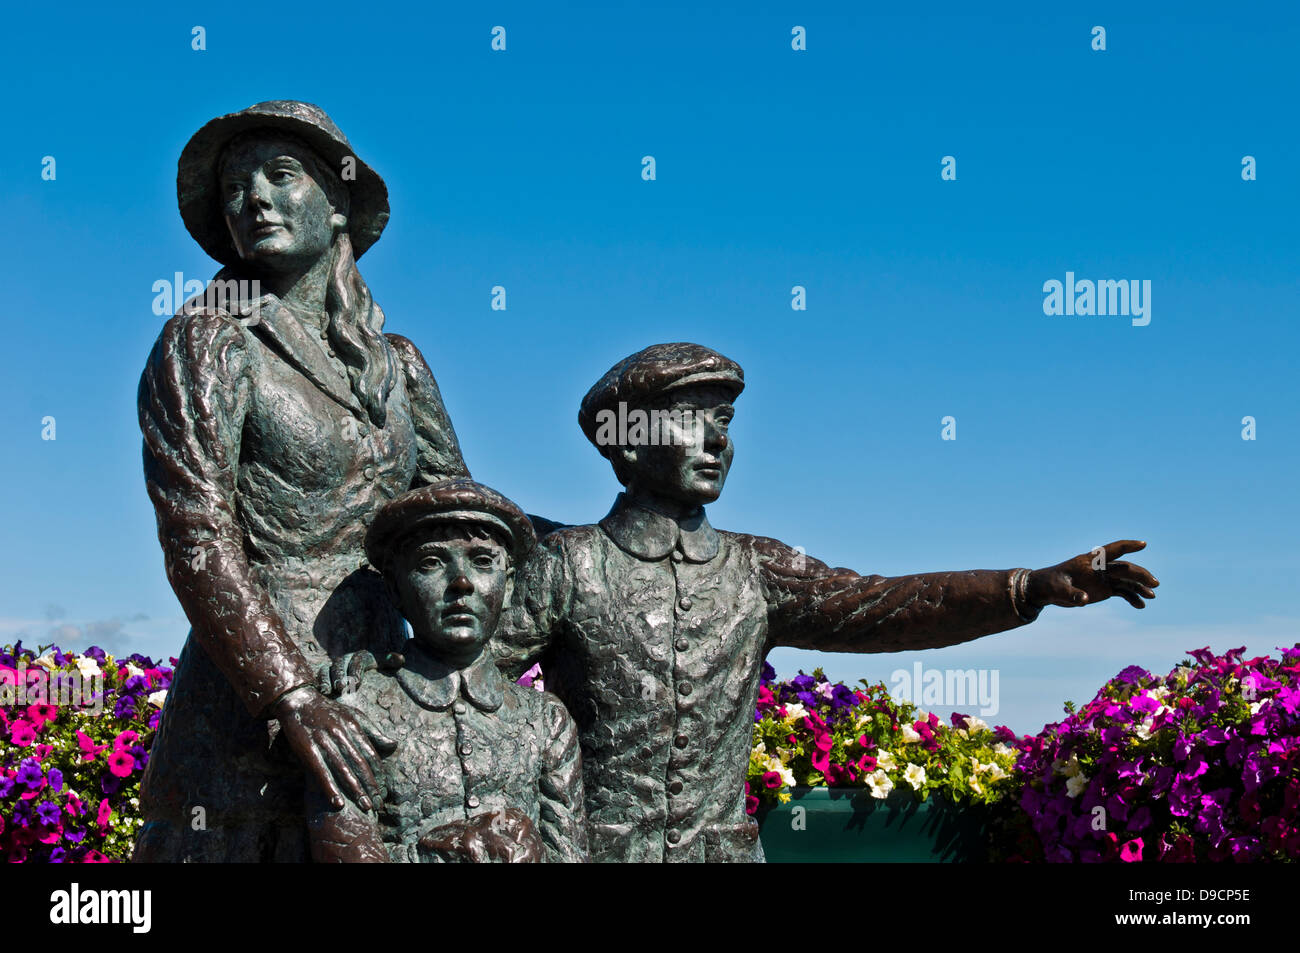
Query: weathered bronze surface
[[275, 426], [652, 626], [280, 421]]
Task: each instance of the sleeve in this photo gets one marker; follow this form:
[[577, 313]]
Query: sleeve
[[812, 606], [536, 611], [193, 397], [562, 813], [438, 454]]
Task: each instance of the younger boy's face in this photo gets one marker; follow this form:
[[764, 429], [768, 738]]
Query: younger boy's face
[[451, 584], [691, 460]]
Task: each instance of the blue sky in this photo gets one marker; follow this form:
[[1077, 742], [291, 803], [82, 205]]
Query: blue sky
[[774, 168]]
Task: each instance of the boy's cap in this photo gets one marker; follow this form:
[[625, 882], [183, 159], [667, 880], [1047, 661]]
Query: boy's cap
[[451, 501], [655, 371]]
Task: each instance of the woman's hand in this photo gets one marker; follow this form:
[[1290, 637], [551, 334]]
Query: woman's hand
[[336, 746]]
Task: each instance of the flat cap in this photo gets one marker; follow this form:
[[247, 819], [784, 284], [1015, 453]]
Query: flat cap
[[654, 371], [451, 501]]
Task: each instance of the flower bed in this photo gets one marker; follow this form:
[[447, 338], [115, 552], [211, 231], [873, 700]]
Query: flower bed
[[1200, 764], [74, 739], [809, 732]]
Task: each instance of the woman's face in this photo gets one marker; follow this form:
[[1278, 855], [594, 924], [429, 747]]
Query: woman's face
[[278, 215]]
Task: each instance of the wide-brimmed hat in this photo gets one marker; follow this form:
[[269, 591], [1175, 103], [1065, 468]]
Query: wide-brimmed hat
[[452, 501], [199, 195]]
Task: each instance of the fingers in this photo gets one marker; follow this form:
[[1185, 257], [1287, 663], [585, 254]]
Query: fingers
[[320, 771], [1122, 547], [361, 767], [1132, 572], [342, 771], [1131, 598]]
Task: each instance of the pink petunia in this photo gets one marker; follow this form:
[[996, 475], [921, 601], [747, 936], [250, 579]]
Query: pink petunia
[[41, 713], [771, 779], [127, 737], [95, 857], [121, 764], [1132, 851], [105, 812], [88, 747], [22, 732]]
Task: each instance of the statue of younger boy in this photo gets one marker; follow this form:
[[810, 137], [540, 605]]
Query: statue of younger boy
[[483, 769]]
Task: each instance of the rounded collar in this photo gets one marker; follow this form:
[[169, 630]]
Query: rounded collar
[[435, 685], [646, 534]]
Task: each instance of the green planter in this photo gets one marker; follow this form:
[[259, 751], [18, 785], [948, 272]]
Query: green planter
[[848, 825]]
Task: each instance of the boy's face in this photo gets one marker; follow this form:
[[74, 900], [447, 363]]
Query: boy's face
[[693, 456], [451, 583]]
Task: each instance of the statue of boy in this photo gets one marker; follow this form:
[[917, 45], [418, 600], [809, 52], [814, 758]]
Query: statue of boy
[[484, 769], [652, 626]]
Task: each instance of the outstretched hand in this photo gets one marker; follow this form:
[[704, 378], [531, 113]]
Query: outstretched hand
[[337, 747], [1093, 577]]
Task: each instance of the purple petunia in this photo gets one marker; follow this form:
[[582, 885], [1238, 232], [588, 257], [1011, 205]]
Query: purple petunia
[[47, 813], [30, 774]]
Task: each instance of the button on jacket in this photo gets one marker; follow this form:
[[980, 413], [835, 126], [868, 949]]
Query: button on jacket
[[654, 631]]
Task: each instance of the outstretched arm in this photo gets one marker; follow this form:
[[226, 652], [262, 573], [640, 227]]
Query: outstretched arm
[[813, 606], [837, 610]]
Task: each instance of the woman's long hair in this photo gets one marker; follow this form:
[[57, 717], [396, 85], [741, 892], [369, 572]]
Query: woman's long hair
[[356, 326]]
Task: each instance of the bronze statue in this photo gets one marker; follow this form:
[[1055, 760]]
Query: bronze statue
[[484, 769], [277, 421], [652, 626]]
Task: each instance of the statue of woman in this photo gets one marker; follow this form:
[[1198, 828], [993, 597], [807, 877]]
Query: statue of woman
[[277, 420]]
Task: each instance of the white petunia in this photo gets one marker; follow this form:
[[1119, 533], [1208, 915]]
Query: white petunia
[[886, 760], [910, 734], [914, 775], [157, 698], [880, 784], [794, 711], [1005, 750], [976, 724], [1076, 785], [88, 667]]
